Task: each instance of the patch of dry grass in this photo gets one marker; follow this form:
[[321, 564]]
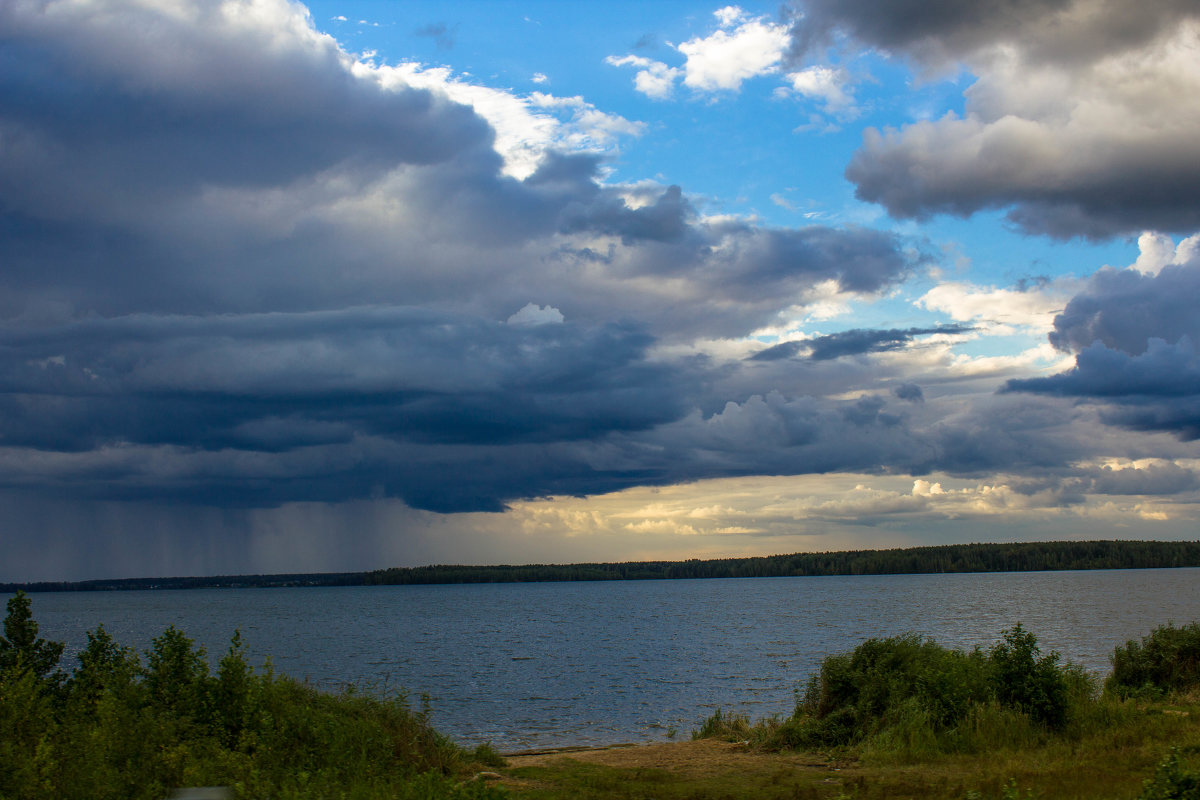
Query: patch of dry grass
[[1108, 762]]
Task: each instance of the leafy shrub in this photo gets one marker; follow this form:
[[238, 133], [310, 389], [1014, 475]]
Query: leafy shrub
[[1167, 660], [1172, 781], [1022, 680], [884, 681], [908, 695]]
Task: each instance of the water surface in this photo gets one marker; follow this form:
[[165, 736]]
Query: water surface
[[545, 664]]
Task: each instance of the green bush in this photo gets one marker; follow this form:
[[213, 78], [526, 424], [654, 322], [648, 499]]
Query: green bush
[[120, 728], [1038, 686], [884, 681], [1165, 661], [908, 695]]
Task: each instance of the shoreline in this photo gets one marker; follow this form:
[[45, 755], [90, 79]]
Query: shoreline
[[974, 558]]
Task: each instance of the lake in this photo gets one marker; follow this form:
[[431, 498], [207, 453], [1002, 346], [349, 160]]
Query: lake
[[550, 664]]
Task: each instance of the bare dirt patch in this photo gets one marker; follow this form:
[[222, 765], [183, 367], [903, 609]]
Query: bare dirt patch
[[692, 759]]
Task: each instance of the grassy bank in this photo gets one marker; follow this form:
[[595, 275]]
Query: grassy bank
[[714, 770], [906, 718], [122, 725]]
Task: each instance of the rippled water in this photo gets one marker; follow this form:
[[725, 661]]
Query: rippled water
[[525, 665]]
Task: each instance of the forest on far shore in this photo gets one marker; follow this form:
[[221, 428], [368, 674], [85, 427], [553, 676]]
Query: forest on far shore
[[1012, 557]]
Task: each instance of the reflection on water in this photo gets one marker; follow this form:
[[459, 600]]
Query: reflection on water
[[545, 664]]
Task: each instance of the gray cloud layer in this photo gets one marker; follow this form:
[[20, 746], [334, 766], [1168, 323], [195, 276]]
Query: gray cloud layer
[[1135, 340], [1080, 122], [941, 33], [852, 343]]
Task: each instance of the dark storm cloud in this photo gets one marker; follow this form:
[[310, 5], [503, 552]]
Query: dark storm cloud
[[1134, 336], [277, 381], [255, 109], [859, 260], [664, 221], [446, 412], [183, 161], [779, 351], [1123, 309], [950, 30], [586, 207], [734, 275], [1163, 370], [858, 341], [776, 434], [1007, 433], [729, 259], [1078, 123], [1154, 479], [1157, 390], [910, 392], [962, 166], [330, 407]]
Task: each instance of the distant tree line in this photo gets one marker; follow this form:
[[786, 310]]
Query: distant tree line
[[1016, 557]]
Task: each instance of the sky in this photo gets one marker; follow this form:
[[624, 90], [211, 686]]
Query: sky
[[352, 285]]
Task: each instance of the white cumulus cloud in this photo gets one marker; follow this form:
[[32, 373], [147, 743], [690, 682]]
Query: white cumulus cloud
[[828, 86], [533, 314], [654, 79], [526, 126], [727, 58], [1157, 250], [1000, 308]]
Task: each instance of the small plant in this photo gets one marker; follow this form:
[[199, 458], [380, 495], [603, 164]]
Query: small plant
[[1011, 792], [488, 756], [728, 727], [1172, 781]]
